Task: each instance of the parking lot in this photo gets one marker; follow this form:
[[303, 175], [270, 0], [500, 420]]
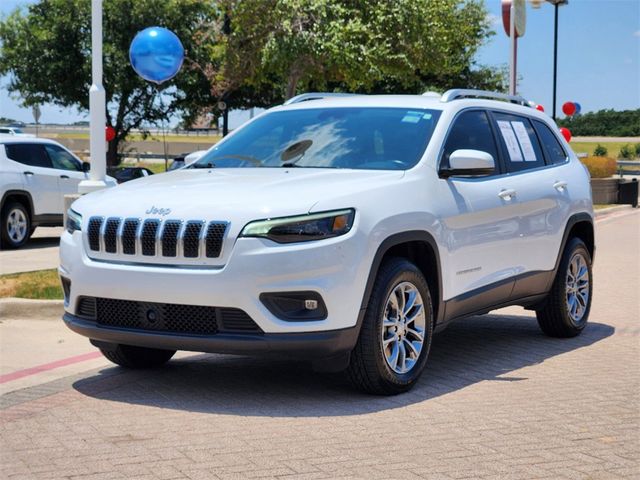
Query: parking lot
[[498, 400]]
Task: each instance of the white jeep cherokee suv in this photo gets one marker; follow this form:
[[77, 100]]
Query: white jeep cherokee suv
[[345, 230]]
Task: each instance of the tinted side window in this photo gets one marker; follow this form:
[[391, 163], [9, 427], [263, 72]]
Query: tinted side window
[[471, 130], [519, 142], [62, 159], [550, 143], [28, 154]]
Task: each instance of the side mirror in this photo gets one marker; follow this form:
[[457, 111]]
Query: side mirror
[[469, 162], [86, 166]]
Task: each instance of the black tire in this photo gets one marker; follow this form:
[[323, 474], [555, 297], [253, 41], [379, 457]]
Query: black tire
[[368, 367], [554, 317], [137, 357], [9, 241]]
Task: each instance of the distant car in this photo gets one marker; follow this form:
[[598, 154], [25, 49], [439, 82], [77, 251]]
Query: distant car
[[15, 132], [35, 174], [186, 159], [125, 174]]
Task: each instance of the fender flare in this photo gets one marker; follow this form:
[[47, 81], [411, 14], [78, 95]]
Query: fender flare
[[22, 193], [383, 248]]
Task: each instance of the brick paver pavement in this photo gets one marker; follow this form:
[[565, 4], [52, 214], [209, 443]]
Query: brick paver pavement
[[498, 400]]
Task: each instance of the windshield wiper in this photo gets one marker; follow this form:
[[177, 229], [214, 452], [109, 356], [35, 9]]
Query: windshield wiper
[[203, 165]]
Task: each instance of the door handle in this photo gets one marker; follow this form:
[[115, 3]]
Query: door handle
[[28, 173], [64, 176], [507, 194], [560, 185]]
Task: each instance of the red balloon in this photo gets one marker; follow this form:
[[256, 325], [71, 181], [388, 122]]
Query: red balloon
[[569, 108], [110, 133], [566, 133], [540, 108]]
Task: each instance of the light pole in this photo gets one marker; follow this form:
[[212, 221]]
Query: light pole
[[556, 4], [97, 108]]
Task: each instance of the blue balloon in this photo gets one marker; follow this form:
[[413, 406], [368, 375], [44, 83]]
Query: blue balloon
[[578, 108], [156, 54]]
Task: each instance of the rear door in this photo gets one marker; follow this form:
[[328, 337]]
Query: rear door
[[481, 223], [539, 197], [40, 178]]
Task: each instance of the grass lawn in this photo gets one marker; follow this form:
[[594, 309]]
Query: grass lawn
[[613, 148], [42, 284], [155, 167]]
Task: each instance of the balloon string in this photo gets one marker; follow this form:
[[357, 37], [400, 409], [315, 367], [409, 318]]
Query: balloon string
[[164, 138]]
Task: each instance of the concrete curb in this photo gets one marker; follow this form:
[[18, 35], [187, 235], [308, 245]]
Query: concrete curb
[[27, 309], [603, 212]]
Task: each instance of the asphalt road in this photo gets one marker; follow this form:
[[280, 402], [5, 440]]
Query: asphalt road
[[498, 400]]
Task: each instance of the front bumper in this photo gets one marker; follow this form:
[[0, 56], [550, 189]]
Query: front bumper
[[336, 269], [309, 345]]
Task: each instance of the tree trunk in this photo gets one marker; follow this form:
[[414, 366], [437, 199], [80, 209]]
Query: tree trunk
[[112, 153], [292, 85]]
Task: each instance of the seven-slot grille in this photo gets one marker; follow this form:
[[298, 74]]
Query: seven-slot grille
[[153, 237]]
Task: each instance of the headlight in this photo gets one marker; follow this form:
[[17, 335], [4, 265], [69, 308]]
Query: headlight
[[302, 228], [74, 221]]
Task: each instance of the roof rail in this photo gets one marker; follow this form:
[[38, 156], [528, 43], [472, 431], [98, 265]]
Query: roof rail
[[305, 97], [458, 93]]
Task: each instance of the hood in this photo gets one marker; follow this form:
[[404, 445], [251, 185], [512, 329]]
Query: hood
[[239, 194]]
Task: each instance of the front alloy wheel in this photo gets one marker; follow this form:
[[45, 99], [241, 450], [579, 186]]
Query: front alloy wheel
[[396, 331], [403, 326], [16, 225]]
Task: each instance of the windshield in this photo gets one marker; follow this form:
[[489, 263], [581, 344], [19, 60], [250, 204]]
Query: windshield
[[362, 138]]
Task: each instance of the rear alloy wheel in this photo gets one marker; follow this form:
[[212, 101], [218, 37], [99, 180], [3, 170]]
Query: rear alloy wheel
[[566, 309], [129, 356], [16, 225], [396, 332]]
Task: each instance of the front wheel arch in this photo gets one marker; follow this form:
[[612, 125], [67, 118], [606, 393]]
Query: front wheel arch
[[420, 248]]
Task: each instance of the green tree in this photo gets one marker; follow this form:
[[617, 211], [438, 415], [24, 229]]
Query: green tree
[[46, 53], [625, 123], [358, 45]]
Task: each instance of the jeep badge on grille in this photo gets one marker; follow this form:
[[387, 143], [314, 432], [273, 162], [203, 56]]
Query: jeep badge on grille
[[158, 211]]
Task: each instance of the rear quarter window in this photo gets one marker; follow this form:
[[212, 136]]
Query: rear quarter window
[[550, 143]]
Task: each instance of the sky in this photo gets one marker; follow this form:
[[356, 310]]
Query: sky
[[598, 57]]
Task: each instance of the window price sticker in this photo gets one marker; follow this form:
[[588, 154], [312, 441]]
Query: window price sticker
[[525, 142], [510, 140]]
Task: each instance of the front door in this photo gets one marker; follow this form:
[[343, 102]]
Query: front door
[[481, 222], [68, 167]]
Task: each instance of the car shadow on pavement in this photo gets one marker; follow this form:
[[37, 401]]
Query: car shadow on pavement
[[41, 242], [469, 351]]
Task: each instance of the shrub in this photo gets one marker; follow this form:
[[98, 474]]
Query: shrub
[[600, 151], [637, 149], [626, 152], [600, 167]]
